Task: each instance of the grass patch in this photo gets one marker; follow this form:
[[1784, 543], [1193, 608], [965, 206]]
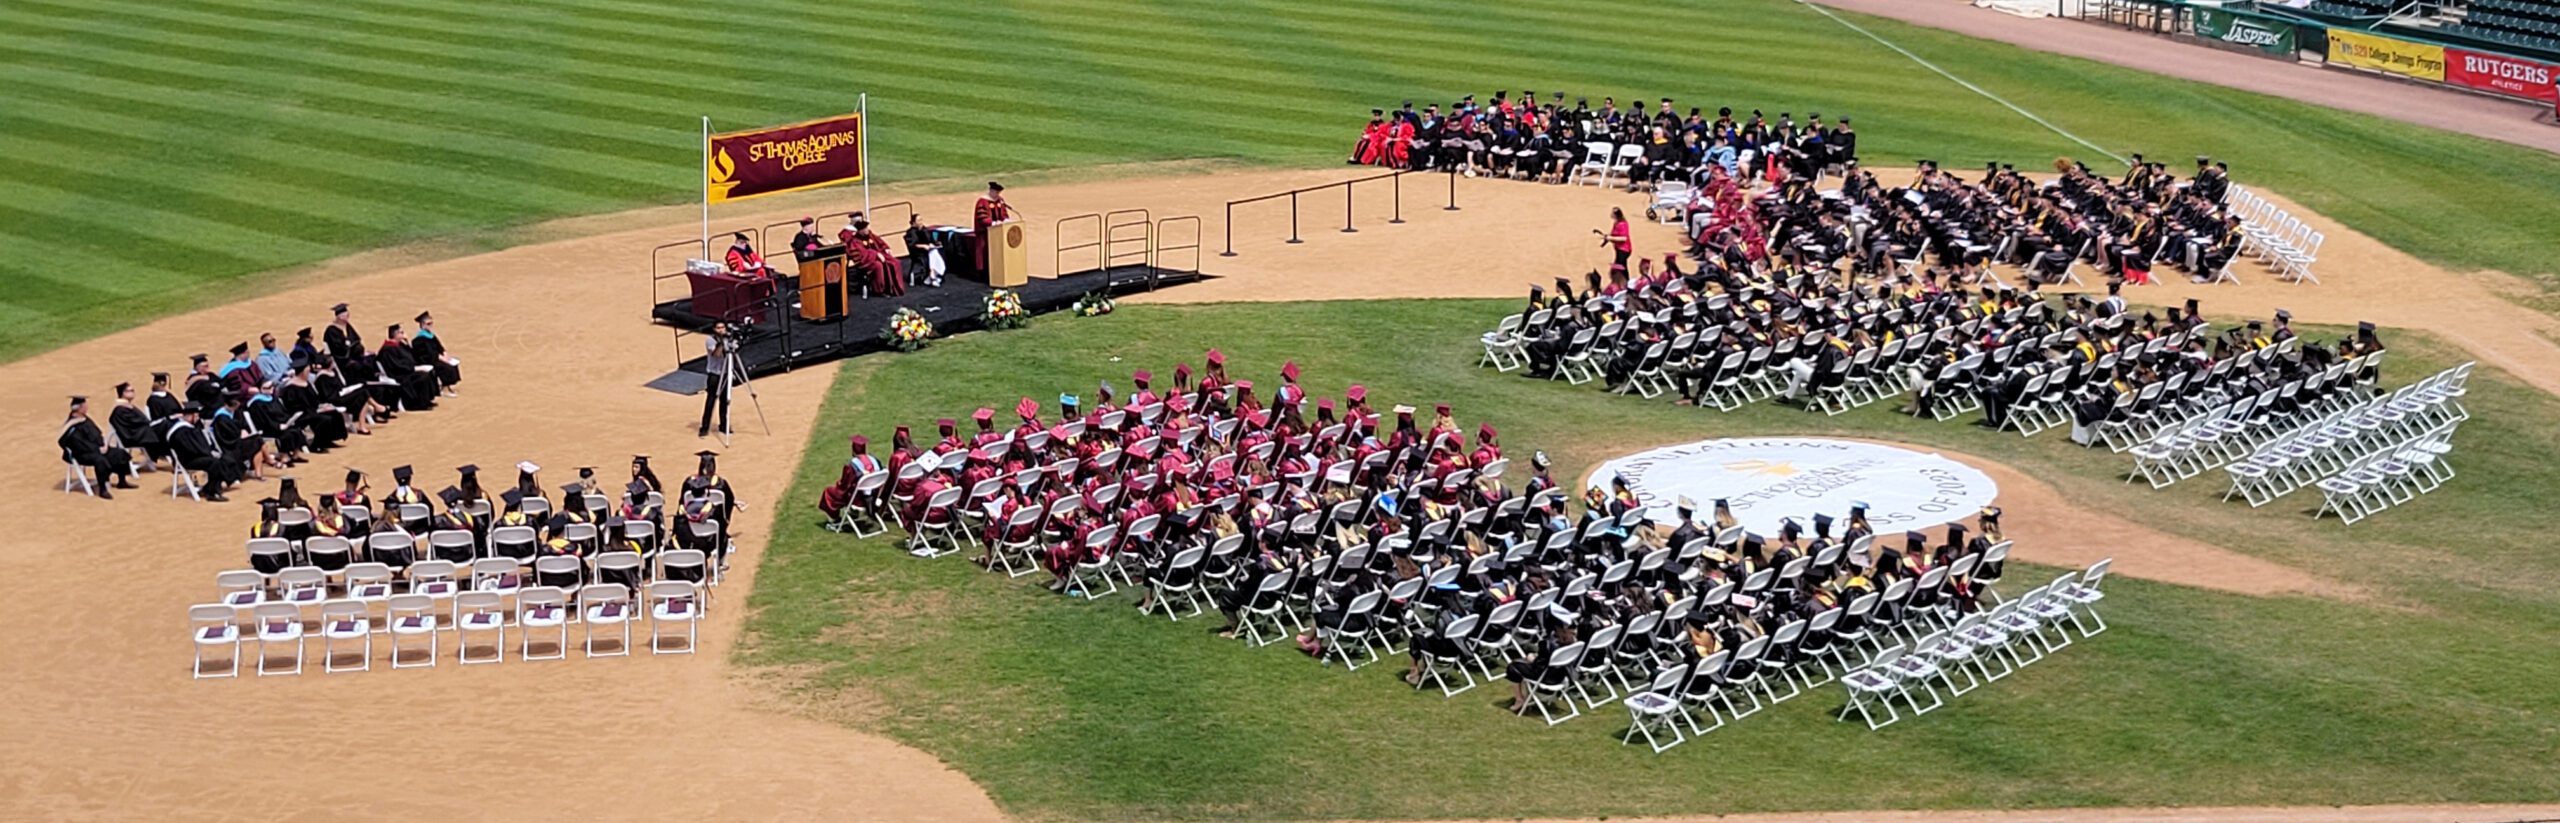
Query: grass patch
[[2436, 692], [159, 155]]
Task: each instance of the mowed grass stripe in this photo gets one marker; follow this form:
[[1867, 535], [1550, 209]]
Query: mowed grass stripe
[[250, 56], [70, 115], [427, 152]]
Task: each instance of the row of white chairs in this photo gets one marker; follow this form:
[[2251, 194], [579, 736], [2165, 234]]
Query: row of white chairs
[[2239, 429], [2388, 477], [2014, 634], [2340, 441], [415, 625], [2279, 240], [370, 598]]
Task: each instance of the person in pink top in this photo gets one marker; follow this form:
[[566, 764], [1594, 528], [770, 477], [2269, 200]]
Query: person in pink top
[[1620, 239]]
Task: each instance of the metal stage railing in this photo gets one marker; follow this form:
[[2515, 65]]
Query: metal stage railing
[[787, 228], [1395, 181], [1155, 258], [1058, 234]]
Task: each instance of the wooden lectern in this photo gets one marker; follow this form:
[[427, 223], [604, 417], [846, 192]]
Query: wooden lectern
[[1008, 255], [822, 284]]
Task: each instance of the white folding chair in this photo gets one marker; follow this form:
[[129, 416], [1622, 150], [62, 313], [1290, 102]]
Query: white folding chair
[[606, 604], [542, 608], [213, 626], [673, 601], [483, 612], [413, 616], [350, 621]]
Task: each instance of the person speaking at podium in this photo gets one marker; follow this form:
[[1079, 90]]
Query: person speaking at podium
[[743, 259], [991, 210], [807, 240]]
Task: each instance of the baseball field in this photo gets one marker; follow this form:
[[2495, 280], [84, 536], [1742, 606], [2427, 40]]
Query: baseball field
[[181, 174]]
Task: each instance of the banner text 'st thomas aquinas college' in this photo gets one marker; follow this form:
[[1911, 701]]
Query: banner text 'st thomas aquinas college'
[[744, 164]]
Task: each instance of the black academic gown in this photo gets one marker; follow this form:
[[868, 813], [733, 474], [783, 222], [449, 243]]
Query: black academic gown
[[134, 430], [196, 450], [83, 443], [417, 388], [326, 428], [205, 392], [237, 438], [429, 349], [274, 420]]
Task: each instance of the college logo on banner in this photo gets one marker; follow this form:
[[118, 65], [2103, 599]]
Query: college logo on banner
[[2500, 74], [743, 164], [2401, 57], [1767, 479]]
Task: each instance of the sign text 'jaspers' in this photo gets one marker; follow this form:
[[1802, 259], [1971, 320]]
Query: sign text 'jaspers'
[[744, 164]]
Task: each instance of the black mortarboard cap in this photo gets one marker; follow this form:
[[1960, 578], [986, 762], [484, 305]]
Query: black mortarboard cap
[[514, 498], [467, 469], [452, 497], [240, 348], [355, 475], [402, 474], [424, 317], [2364, 327]]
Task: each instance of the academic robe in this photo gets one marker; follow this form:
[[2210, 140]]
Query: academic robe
[[133, 428], [417, 389], [274, 420], [989, 212], [197, 450], [84, 444], [326, 427], [429, 349]]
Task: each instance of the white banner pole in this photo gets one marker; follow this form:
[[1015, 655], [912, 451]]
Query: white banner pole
[[865, 108], [706, 188]]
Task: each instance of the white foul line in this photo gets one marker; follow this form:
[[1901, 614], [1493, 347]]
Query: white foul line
[[1961, 81]]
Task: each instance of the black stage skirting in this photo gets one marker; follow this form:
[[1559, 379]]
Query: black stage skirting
[[790, 342]]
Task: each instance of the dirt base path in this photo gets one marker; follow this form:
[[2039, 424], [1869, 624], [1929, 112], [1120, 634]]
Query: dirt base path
[[107, 722], [2491, 118]]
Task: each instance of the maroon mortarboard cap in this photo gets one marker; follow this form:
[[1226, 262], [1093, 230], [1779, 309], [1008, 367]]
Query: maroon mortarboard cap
[[1058, 432], [1484, 430], [902, 431], [984, 415], [1356, 393], [1441, 408], [1244, 385], [946, 424], [860, 441], [1325, 403], [1289, 370], [1177, 403], [1259, 418], [1027, 408], [1141, 377], [1181, 370], [1217, 358]]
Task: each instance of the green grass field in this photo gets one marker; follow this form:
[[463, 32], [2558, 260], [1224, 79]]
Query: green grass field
[[161, 155], [2436, 689]]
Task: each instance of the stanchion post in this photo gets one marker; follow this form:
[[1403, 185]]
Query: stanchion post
[[1346, 209], [1453, 189], [1398, 180], [1293, 218], [1231, 232]]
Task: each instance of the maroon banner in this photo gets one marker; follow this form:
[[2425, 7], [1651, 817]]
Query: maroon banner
[[2500, 74], [743, 164]]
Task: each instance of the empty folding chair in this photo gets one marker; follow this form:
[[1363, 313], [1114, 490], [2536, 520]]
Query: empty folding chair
[[212, 626], [673, 601], [606, 604], [413, 616], [240, 588], [278, 624], [349, 621], [482, 612], [1657, 709], [542, 608]]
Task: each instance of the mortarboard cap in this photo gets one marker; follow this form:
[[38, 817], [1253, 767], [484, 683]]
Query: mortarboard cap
[[451, 496], [946, 424], [984, 415], [527, 466], [1289, 370], [338, 309], [240, 348], [1216, 358], [467, 469], [1404, 411], [513, 498], [402, 474], [424, 317], [1141, 377], [1069, 400]]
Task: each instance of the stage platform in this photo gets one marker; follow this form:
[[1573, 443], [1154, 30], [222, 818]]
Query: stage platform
[[788, 342]]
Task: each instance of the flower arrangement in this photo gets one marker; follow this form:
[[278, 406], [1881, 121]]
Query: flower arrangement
[[907, 330], [1092, 304], [1004, 311]]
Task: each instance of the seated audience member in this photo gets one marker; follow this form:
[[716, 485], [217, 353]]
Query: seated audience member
[[85, 446]]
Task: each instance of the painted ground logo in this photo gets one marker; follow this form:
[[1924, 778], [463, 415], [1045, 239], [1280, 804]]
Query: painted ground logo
[[1770, 478]]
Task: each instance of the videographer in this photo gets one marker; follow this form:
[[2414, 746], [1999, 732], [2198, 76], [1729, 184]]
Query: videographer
[[719, 350]]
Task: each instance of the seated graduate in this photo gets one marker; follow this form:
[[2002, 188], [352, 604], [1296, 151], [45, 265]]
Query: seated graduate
[[238, 437], [428, 348], [83, 444], [833, 500], [276, 422]]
